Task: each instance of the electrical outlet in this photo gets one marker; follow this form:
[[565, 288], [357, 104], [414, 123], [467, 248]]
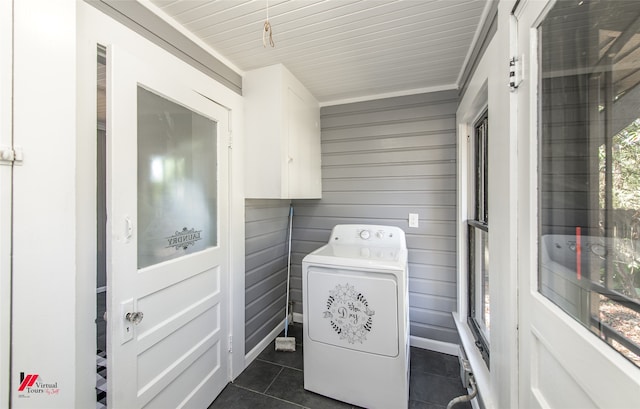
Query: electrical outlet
[[413, 220]]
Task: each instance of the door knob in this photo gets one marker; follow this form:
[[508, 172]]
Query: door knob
[[134, 317]]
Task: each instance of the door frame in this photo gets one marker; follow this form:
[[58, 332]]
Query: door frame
[[487, 86], [95, 28], [547, 333]]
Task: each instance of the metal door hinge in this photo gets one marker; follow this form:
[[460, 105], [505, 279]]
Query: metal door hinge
[[230, 343], [515, 72], [230, 129], [10, 155]]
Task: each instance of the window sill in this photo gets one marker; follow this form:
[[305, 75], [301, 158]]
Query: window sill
[[479, 368]]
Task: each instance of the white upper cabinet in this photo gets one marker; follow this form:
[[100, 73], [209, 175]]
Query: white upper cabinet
[[282, 129]]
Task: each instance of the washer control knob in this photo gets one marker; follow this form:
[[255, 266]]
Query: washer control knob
[[380, 234], [365, 234]]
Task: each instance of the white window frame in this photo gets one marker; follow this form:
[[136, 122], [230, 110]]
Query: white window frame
[[477, 222], [466, 208]]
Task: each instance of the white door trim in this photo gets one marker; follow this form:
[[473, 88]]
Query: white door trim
[[489, 85]]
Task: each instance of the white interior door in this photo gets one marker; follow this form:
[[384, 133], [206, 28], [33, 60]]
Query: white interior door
[[564, 359], [168, 249]]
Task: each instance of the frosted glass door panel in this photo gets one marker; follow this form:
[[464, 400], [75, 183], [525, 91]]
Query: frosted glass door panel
[[177, 180]]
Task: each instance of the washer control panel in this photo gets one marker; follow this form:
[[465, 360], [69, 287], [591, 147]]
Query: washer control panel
[[374, 234], [370, 235]]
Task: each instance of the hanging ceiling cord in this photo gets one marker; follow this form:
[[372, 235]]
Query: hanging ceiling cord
[[267, 32]]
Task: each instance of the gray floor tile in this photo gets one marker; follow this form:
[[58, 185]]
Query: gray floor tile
[[235, 397], [435, 380], [414, 404], [284, 358], [435, 389], [258, 376], [423, 360], [289, 386]]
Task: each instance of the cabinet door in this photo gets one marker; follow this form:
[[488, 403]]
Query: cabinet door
[[295, 125], [298, 149], [314, 173], [282, 136], [303, 171]]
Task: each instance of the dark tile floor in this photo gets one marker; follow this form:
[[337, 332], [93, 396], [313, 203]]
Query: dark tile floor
[[275, 381]]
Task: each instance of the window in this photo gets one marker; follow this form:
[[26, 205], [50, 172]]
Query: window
[[177, 180], [589, 168], [478, 234]]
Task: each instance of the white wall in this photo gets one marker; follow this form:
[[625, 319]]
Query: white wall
[[45, 322], [489, 84], [6, 31]]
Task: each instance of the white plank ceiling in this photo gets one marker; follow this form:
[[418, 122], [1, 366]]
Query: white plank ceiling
[[341, 49]]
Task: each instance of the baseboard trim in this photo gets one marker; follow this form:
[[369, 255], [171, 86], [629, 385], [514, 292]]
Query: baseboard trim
[[434, 345], [479, 368], [257, 350]]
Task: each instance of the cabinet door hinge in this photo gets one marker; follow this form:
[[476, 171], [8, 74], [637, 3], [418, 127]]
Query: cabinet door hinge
[[230, 343], [11, 155]]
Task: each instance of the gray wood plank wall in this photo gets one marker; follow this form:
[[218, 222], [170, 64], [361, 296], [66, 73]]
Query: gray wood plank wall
[[382, 160], [265, 266]]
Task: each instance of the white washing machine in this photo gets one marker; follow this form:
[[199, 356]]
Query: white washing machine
[[356, 317]]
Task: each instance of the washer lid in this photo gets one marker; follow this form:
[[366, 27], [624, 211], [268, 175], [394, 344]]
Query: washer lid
[[353, 310]]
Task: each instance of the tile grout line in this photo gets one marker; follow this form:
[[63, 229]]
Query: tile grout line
[[279, 364], [272, 397], [273, 380]]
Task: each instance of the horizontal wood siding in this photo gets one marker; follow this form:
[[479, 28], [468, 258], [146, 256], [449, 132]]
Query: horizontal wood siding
[[265, 266], [382, 160]]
